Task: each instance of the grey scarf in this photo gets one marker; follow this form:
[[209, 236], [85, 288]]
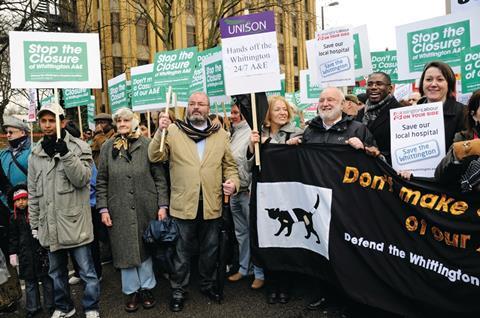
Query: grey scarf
[[373, 110]]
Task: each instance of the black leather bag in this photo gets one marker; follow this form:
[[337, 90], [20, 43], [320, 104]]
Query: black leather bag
[[160, 238]]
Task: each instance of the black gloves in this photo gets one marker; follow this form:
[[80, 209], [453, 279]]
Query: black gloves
[[61, 147]]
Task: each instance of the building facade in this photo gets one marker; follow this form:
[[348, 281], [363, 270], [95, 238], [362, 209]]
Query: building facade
[[131, 31]]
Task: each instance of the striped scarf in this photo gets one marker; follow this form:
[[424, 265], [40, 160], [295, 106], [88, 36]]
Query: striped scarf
[[372, 110], [196, 134]]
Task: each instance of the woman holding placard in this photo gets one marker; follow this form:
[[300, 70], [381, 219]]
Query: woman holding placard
[[131, 192], [437, 84]]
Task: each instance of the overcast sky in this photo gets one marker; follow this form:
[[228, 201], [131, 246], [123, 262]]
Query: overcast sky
[[380, 16]]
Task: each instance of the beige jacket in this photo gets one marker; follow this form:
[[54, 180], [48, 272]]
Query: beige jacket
[[188, 174]]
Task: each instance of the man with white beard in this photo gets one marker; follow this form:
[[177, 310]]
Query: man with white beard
[[331, 126]]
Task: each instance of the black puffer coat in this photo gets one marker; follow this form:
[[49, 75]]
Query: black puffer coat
[[32, 257]]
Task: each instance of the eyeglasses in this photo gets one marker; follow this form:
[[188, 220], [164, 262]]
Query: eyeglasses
[[378, 84]]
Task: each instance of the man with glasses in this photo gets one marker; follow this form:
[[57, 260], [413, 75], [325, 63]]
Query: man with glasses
[[202, 168], [14, 159], [376, 114]]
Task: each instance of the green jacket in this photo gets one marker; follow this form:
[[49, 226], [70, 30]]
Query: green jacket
[[59, 193]]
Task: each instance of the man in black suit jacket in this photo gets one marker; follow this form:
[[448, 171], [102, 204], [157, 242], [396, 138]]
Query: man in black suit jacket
[[376, 114]]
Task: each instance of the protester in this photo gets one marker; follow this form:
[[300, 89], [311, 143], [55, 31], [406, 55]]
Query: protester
[[131, 192], [413, 98], [200, 160], [88, 136], [59, 171], [143, 128], [103, 131], [350, 105], [28, 255], [14, 159], [277, 129], [239, 202], [437, 84], [376, 114], [460, 169]]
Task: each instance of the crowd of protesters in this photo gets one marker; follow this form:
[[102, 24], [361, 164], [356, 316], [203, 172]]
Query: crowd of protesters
[[54, 204]]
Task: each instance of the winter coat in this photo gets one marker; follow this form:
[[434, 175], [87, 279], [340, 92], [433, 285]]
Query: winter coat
[[133, 191], [58, 195], [453, 118], [285, 132], [450, 170], [188, 174], [14, 174], [32, 257], [380, 128], [339, 133], [239, 142]]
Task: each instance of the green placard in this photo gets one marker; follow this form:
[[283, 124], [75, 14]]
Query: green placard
[[281, 92], [91, 113], [298, 103], [196, 84], [144, 92], [444, 42], [73, 97], [50, 61], [313, 91], [471, 69], [47, 100], [386, 62], [118, 95], [359, 90], [214, 82], [174, 68], [357, 52]]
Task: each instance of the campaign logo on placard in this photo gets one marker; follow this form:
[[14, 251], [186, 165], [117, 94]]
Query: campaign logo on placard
[[292, 214]]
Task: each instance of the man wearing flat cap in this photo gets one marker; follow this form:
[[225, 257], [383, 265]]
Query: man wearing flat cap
[[14, 159], [103, 131]]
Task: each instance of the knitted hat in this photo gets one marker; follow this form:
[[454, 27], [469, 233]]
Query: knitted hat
[[20, 193]]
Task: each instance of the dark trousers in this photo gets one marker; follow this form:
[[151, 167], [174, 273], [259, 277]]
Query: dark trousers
[[206, 233], [32, 292]]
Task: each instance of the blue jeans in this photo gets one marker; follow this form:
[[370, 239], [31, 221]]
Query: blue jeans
[[32, 293], [241, 219], [59, 274], [136, 278]]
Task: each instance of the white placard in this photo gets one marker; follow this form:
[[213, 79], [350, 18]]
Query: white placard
[[54, 60], [363, 61], [458, 5], [402, 91], [417, 138], [331, 58], [309, 91], [440, 38]]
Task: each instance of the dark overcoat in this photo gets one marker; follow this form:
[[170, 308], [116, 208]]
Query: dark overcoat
[[133, 190]]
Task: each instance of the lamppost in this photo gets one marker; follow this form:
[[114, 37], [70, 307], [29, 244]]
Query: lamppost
[[331, 4]]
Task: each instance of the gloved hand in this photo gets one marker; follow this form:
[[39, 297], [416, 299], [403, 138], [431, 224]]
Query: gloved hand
[[13, 260], [35, 234], [466, 148], [61, 147]]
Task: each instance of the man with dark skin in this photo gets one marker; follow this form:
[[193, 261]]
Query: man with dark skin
[[376, 114]]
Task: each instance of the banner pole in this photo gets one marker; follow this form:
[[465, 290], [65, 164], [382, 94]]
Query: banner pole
[[255, 127], [149, 128], [80, 126], [164, 130], [30, 125], [57, 116]]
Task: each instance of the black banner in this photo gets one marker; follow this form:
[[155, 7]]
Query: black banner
[[338, 214]]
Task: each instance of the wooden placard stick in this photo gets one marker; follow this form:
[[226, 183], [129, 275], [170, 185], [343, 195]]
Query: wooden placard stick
[[164, 130]]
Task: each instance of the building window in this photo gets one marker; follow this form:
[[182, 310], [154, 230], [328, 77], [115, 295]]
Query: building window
[[190, 6], [115, 25], [191, 37], [117, 66], [280, 23], [293, 18], [141, 62], [296, 83], [295, 56], [142, 37], [281, 54]]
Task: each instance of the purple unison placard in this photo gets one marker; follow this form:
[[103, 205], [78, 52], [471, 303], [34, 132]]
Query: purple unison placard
[[247, 24]]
